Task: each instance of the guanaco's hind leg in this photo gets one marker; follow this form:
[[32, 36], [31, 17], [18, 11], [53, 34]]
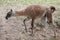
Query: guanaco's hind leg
[[44, 21], [45, 24], [26, 19]]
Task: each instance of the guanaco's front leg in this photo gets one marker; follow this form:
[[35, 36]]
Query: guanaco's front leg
[[32, 26], [26, 19]]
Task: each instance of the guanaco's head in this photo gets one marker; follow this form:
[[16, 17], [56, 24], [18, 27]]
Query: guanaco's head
[[9, 14]]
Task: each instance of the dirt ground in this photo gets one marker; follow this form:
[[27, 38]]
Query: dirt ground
[[13, 28]]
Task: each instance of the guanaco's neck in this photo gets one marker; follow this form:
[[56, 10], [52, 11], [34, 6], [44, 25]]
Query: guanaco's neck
[[19, 13]]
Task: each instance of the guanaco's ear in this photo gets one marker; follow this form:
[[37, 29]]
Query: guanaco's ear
[[52, 8], [11, 10]]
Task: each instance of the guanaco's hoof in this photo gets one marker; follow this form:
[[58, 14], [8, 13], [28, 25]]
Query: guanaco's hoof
[[26, 30], [32, 28], [31, 35]]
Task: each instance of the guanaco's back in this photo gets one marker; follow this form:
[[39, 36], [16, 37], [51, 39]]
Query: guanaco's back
[[35, 10]]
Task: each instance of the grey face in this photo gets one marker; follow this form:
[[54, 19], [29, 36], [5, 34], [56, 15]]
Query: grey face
[[9, 14]]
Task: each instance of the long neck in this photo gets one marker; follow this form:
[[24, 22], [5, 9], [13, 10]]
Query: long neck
[[20, 13]]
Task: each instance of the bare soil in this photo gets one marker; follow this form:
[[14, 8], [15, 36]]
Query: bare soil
[[13, 28]]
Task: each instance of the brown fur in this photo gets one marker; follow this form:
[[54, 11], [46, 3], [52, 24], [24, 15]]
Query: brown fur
[[32, 11]]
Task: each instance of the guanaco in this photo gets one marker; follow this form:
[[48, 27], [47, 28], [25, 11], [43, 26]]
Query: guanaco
[[33, 12]]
